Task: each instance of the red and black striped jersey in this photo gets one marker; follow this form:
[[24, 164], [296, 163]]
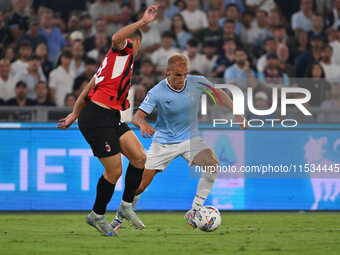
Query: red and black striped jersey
[[113, 78]]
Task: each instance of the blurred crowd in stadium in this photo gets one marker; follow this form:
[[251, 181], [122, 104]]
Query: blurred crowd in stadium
[[49, 50]]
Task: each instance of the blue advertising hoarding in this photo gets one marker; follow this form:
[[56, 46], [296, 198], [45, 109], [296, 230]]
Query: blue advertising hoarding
[[42, 168]]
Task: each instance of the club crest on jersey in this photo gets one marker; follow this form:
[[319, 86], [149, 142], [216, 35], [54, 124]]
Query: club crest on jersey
[[107, 147]]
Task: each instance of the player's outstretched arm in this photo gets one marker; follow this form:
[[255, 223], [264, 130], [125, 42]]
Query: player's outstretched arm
[[139, 121], [229, 104], [79, 105], [118, 39]]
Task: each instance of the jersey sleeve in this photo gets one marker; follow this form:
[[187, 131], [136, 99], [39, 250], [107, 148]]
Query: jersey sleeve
[[149, 102], [202, 80]]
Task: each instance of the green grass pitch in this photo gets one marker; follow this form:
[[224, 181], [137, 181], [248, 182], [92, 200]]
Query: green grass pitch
[[168, 233]]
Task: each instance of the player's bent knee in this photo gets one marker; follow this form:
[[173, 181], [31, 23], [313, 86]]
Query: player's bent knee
[[113, 175], [139, 160]]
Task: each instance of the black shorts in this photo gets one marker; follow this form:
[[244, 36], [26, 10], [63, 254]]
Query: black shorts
[[102, 128]]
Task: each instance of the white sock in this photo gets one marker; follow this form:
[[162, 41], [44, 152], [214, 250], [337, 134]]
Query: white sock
[[126, 203], [204, 187], [135, 199], [98, 215]]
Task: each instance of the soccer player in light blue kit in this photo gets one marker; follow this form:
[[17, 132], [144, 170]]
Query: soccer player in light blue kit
[[176, 132]]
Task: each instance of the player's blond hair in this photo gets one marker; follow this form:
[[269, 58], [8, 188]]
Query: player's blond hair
[[178, 59]]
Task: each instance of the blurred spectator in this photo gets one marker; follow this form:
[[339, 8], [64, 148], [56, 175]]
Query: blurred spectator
[[7, 81], [226, 59], [274, 18], [25, 52], [151, 37], [55, 39], [335, 14], [41, 95], [210, 57], [46, 65], [266, 5], [229, 33], [301, 20], [280, 35], [195, 19], [301, 45], [247, 21], [336, 48], [70, 100], [64, 7], [282, 53], [6, 7], [175, 8], [317, 25], [147, 76], [232, 12], [108, 11], [196, 59], [269, 47], [140, 93], [31, 75], [61, 79], [180, 31], [310, 56], [86, 26], [161, 23], [240, 4], [9, 54], [317, 85], [73, 24], [75, 36], [331, 69], [5, 34], [77, 64], [32, 34], [213, 32], [160, 57], [58, 22], [259, 28], [261, 102], [18, 21], [271, 75], [331, 104], [125, 18], [240, 73], [101, 45], [89, 43], [81, 80], [20, 98], [330, 35]]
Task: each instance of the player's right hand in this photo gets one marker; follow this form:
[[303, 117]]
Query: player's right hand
[[147, 130], [66, 122], [150, 13]]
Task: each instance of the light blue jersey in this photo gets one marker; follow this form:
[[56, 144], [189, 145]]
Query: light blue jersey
[[177, 118]]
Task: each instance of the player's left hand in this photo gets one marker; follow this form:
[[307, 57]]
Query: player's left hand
[[66, 122], [150, 13], [242, 120]]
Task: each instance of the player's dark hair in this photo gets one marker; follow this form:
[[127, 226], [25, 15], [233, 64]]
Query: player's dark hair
[[137, 33]]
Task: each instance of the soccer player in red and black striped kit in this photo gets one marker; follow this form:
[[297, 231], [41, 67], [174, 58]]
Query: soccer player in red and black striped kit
[[98, 112]]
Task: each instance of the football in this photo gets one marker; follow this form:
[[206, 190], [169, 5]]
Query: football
[[208, 219]]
